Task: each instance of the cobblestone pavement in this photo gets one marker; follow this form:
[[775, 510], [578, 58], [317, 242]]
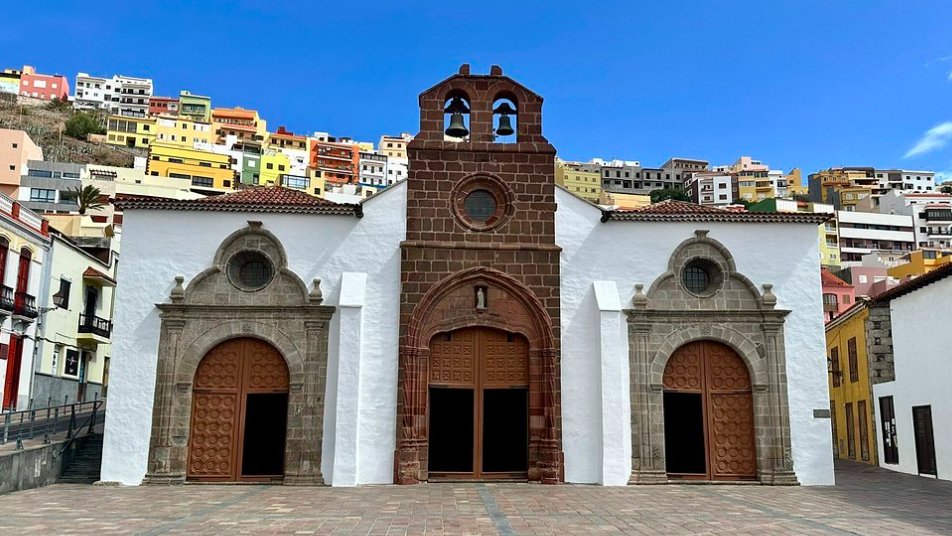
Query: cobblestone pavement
[[867, 500]]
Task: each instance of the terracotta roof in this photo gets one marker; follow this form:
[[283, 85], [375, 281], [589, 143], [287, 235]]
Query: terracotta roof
[[913, 284], [682, 211], [830, 280], [277, 199], [92, 272]]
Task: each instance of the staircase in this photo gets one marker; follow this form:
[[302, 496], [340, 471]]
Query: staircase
[[87, 459]]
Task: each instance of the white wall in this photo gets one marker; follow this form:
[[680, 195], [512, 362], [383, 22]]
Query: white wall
[[633, 252], [921, 343], [317, 247]]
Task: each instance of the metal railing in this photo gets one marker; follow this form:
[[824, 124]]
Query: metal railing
[[46, 422], [95, 325], [6, 298], [24, 305]]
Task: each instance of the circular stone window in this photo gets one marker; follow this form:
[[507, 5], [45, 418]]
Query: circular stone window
[[701, 277], [479, 206], [250, 270]]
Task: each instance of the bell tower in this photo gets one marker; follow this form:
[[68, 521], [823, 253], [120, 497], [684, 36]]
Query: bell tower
[[480, 253]]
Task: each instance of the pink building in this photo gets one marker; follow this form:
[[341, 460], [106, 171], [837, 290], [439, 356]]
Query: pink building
[[838, 295], [16, 148], [43, 86]]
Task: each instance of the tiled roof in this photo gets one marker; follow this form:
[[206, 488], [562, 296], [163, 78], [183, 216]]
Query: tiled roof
[[275, 199], [92, 272], [830, 280], [914, 284], [682, 211]]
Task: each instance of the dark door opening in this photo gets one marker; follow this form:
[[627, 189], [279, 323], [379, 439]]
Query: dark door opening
[[925, 441], [265, 426], [684, 443], [451, 430], [505, 431], [888, 416]]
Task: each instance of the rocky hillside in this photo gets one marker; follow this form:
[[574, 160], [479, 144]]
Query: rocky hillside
[[45, 122]]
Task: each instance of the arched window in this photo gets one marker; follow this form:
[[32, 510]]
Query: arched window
[[456, 116], [505, 118]]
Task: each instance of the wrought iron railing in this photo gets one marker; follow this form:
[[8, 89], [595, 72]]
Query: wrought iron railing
[[95, 325], [46, 422], [24, 305], [6, 298]]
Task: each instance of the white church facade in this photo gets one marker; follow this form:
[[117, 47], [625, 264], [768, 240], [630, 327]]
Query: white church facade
[[472, 322]]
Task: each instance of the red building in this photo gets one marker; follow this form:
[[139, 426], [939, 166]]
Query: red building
[[163, 105], [337, 162], [838, 295], [43, 86]]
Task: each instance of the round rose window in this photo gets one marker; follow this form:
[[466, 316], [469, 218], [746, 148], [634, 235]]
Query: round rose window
[[250, 270], [480, 206]]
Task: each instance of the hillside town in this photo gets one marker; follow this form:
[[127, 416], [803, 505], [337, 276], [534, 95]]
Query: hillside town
[[878, 244]]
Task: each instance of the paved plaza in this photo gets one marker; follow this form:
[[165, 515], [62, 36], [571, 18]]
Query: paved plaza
[[867, 500]]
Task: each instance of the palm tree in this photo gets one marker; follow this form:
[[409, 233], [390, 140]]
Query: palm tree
[[87, 197]]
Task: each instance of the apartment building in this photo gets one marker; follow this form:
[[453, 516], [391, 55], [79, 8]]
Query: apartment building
[[133, 132], [394, 146], [10, 81], [91, 92], [860, 233], [163, 106], [210, 173], [931, 214], [372, 168], [196, 107], [16, 150], [119, 95], [51, 186], [244, 125], [184, 131], [709, 187], [838, 295], [43, 86], [337, 162], [579, 179]]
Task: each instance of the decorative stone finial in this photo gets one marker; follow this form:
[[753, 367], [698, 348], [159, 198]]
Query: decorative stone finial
[[700, 234], [254, 224], [316, 296], [178, 291], [640, 299], [769, 300]]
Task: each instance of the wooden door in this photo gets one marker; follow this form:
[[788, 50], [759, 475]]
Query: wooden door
[[925, 440], [477, 374], [227, 376], [718, 379], [11, 384], [888, 417]]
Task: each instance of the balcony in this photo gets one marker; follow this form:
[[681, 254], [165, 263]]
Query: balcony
[[6, 300], [24, 306], [93, 329]]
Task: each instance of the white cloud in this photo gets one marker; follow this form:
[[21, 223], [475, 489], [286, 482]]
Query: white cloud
[[935, 138]]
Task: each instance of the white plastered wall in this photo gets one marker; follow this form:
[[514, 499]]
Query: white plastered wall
[[634, 252], [159, 245], [921, 342]]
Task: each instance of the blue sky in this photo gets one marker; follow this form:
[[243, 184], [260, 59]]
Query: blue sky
[[806, 83]]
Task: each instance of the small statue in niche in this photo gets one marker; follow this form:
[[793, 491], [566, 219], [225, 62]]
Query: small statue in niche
[[480, 297]]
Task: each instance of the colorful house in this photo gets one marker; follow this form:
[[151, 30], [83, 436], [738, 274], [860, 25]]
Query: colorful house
[[245, 125], [184, 131], [838, 295], [163, 106], [274, 164], [43, 86], [851, 395], [16, 149], [135, 132], [920, 262], [337, 162], [196, 107], [586, 184], [210, 173]]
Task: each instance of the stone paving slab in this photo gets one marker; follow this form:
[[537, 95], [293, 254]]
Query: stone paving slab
[[867, 500]]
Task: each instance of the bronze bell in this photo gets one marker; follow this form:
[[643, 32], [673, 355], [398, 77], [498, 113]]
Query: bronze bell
[[505, 124], [457, 128]]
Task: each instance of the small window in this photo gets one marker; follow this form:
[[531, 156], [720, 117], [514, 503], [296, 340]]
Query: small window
[[700, 276], [480, 205], [250, 270], [72, 363]]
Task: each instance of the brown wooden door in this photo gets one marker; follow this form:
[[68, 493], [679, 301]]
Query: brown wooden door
[[11, 384], [925, 440], [230, 375], [716, 379], [479, 384]]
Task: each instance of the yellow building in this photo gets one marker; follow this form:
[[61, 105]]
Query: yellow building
[[755, 185], [829, 244], [851, 395], [183, 131], [130, 131], [244, 125], [919, 262], [843, 187], [585, 184], [273, 164], [795, 184], [624, 201], [208, 172]]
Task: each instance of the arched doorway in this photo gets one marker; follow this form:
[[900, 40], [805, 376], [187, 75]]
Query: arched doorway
[[708, 414], [478, 405], [239, 413]]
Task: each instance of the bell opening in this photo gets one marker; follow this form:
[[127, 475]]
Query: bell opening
[[505, 117], [456, 117]]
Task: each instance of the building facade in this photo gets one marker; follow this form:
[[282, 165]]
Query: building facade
[[43, 86], [578, 179], [209, 173], [133, 132], [16, 150], [861, 233], [51, 186], [479, 322]]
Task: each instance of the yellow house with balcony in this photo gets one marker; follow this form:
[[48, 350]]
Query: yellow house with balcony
[[851, 394], [273, 164], [919, 262], [128, 131], [183, 131], [209, 173], [585, 184]]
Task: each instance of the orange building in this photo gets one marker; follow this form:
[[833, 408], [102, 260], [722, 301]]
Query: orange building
[[285, 139], [245, 125], [336, 163]]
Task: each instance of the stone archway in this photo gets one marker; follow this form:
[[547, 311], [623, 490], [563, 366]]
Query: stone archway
[[509, 307], [211, 310], [238, 426]]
